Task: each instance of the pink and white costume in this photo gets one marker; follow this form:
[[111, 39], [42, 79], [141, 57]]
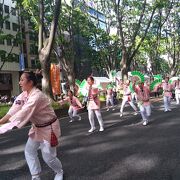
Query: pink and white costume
[[143, 97], [75, 105], [109, 98], [177, 91], [167, 89], [127, 98], [36, 108], [93, 106]]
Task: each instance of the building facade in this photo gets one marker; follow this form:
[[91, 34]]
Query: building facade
[[10, 68], [9, 73]]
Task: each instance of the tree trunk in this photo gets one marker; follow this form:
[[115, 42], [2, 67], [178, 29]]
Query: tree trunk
[[124, 68], [46, 83], [71, 80], [173, 71], [45, 45]]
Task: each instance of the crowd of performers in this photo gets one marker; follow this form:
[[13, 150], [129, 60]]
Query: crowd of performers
[[33, 106], [133, 90]]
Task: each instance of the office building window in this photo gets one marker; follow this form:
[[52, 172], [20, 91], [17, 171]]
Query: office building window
[[101, 16], [1, 7], [13, 11], [92, 12], [15, 43], [9, 42], [15, 27], [1, 41], [6, 9], [1, 25], [102, 25], [8, 26], [5, 78]]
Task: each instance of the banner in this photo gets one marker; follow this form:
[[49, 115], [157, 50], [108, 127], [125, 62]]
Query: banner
[[55, 79], [21, 62]]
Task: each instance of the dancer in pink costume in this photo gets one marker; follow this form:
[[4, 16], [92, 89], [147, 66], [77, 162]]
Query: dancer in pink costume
[[93, 105], [75, 105], [109, 99], [127, 98], [167, 94], [33, 106], [143, 97], [177, 90]]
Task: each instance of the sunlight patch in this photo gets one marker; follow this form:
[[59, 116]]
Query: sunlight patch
[[14, 165], [141, 163], [12, 150]]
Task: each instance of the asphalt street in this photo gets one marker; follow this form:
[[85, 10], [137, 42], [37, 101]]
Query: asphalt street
[[126, 150]]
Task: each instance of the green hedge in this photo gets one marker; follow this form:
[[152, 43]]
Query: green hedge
[[56, 105], [4, 108]]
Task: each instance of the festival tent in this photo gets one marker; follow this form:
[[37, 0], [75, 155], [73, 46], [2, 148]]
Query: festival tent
[[99, 82], [102, 82]]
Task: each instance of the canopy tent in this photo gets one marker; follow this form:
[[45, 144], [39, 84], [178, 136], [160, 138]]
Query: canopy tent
[[102, 81], [99, 82]]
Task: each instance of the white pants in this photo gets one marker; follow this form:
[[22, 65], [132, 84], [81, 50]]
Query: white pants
[[109, 101], [167, 102], [73, 113], [177, 97], [145, 111], [91, 117], [48, 154], [124, 101]]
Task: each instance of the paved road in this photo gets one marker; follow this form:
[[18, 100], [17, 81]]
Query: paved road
[[126, 150]]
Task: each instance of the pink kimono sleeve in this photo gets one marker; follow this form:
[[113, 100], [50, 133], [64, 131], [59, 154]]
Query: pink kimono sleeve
[[24, 115], [17, 105]]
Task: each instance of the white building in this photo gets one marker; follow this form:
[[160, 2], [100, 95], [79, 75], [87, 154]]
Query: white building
[[9, 74]]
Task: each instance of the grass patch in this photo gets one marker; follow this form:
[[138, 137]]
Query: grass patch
[[4, 108]]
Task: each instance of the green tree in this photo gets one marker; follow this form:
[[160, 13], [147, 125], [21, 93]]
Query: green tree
[[162, 39], [134, 19], [74, 36], [45, 15], [172, 38], [105, 42]]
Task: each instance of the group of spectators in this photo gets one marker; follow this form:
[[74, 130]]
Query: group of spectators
[[6, 99]]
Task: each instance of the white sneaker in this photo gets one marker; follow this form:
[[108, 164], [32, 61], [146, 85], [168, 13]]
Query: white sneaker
[[59, 176], [165, 110], [71, 121], [113, 109], [135, 113], [121, 114], [92, 129], [107, 109], [145, 123], [79, 119], [101, 129]]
